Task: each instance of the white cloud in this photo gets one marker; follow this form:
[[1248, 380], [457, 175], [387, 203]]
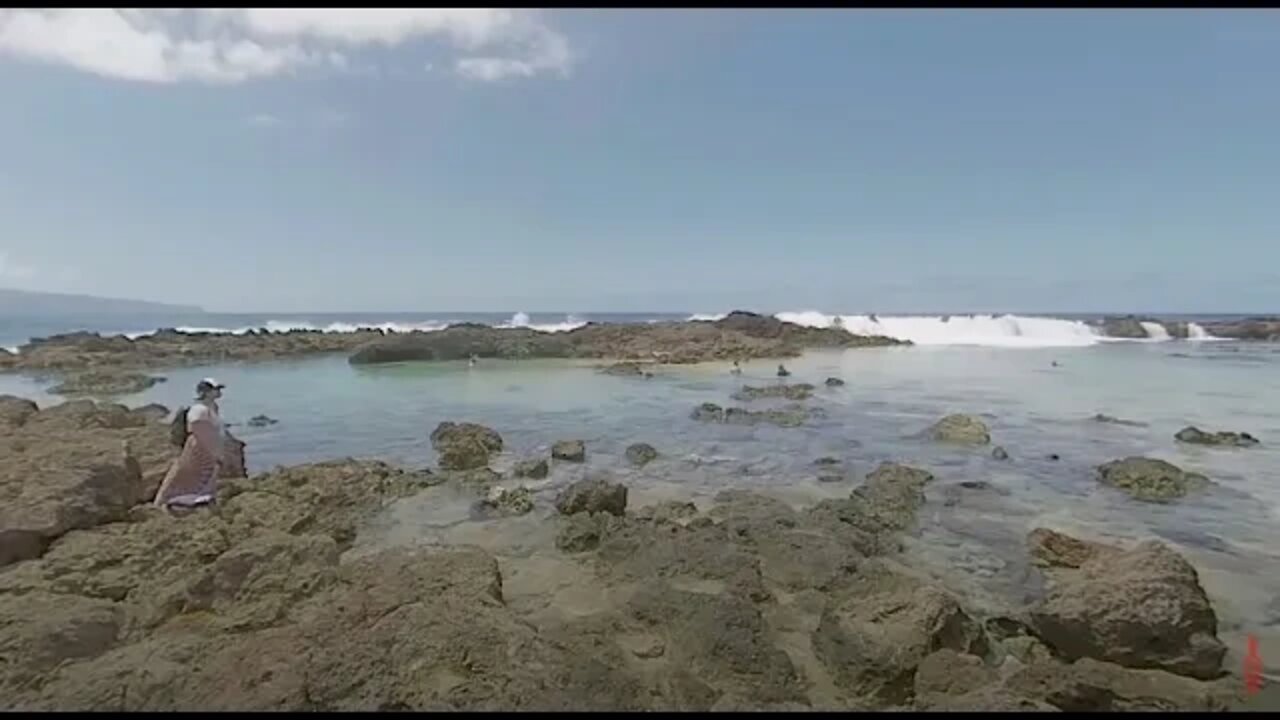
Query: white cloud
[[230, 45]]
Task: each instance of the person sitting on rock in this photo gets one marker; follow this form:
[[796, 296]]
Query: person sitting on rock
[[192, 479], [783, 371]]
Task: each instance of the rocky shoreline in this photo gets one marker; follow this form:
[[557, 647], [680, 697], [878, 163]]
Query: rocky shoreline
[[99, 363], [269, 600]]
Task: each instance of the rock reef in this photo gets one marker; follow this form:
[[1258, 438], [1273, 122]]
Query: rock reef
[[269, 599]]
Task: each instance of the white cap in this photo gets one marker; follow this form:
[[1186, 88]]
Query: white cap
[[209, 384]]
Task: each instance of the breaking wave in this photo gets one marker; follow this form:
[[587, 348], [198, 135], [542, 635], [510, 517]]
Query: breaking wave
[[984, 330]]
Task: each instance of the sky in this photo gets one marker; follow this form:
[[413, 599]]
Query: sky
[[300, 160]]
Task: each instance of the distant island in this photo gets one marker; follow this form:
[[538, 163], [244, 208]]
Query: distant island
[[40, 304]]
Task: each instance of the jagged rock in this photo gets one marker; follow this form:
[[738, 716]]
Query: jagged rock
[[834, 382], [580, 532], [960, 429], [1088, 685], [569, 451], [1051, 549], [873, 640], [799, 391], [1150, 479], [1128, 327], [593, 496], [1140, 608], [1196, 436], [507, 503], [536, 468], [641, 454]]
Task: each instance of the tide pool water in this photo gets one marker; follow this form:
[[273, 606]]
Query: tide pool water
[[1035, 409]]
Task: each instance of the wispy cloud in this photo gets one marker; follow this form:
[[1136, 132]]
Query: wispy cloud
[[232, 45]]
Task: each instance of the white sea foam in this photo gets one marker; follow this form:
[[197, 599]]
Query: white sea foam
[[982, 330], [1155, 331], [1197, 333], [707, 317], [521, 320]]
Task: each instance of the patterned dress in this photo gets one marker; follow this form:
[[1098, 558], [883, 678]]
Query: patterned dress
[[193, 477]]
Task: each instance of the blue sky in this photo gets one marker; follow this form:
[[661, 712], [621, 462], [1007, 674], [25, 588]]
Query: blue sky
[[649, 160]]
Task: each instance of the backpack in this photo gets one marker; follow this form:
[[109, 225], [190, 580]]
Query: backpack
[[178, 428]]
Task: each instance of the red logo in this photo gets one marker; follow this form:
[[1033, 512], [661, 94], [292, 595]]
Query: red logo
[[1252, 668]]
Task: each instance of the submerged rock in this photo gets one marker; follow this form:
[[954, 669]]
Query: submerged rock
[[1196, 436], [261, 421], [790, 416], [535, 468], [834, 382], [569, 451], [1149, 479], [595, 495], [106, 383], [1140, 608], [999, 453], [1109, 420], [641, 454], [799, 391], [960, 429]]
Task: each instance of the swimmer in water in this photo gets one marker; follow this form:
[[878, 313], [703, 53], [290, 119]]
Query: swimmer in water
[[783, 371], [737, 369], [472, 362]]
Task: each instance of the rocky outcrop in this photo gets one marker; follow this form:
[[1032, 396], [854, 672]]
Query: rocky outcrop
[[790, 416], [465, 446], [574, 451], [1149, 479], [834, 382], [1196, 436], [799, 391], [737, 336], [1128, 327], [1139, 608], [1266, 329], [106, 384], [72, 466], [961, 430], [641, 454]]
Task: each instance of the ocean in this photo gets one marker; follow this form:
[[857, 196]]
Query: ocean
[[1036, 381]]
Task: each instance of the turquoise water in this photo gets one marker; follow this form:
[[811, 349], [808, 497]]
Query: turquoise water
[[327, 409]]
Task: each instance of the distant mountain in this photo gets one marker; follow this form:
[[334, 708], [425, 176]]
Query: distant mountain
[[38, 304]]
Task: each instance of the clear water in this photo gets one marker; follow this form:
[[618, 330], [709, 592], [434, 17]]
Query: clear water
[[328, 409]]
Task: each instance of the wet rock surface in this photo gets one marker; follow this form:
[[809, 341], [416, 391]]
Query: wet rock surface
[[465, 446], [799, 391], [641, 454], [574, 451], [1196, 436], [790, 416], [1150, 480], [960, 430]]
